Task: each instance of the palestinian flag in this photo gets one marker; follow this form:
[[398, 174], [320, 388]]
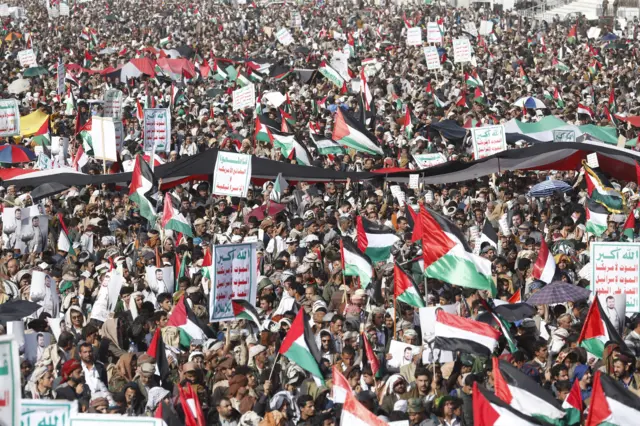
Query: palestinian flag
[[242, 309], [262, 132], [80, 159], [455, 333], [613, 105], [545, 267], [596, 218], [290, 147], [165, 41], [573, 406], [488, 410], [470, 81], [585, 110], [487, 235], [560, 66], [173, 219], [341, 387], [601, 191], [375, 240], [558, 98], [573, 33], [279, 185], [188, 324], [353, 134], [374, 362], [629, 227], [405, 289], [504, 325], [611, 403], [166, 413], [524, 394], [516, 297], [141, 189], [598, 331], [243, 79], [218, 73], [523, 75], [408, 124], [356, 414], [157, 351], [436, 100], [190, 403], [289, 114], [355, 263], [326, 146], [448, 257], [300, 347], [64, 242], [331, 74], [139, 110], [280, 72], [594, 67], [414, 222], [478, 97]]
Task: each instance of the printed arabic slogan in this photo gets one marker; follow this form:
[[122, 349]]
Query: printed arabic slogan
[[233, 277], [113, 420], [9, 117], [232, 174], [488, 140], [157, 129], [616, 270], [40, 412], [9, 382]]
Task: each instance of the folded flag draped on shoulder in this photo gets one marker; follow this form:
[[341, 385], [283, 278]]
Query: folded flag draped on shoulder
[[524, 394], [601, 191], [612, 404], [355, 263], [448, 257], [173, 219], [340, 386], [142, 187], [300, 347], [455, 333], [245, 310], [158, 352], [189, 325], [488, 410], [405, 289], [545, 267], [375, 240], [350, 132], [356, 414], [596, 215], [573, 406], [598, 330]]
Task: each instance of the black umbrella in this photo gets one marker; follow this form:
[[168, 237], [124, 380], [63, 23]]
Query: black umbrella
[[46, 190], [16, 310], [302, 49], [513, 312]]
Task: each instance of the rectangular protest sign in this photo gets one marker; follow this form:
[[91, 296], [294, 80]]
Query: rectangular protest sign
[[284, 36], [244, 97], [232, 174], [488, 140], [564, 136], [4, 9], [424, 161], [27, 58], [112, 419], [616, 270], [119, 128], [470, 28], [9, 117], [64, 9], [486, 28], [433, 33], [60, 89], [113, 104], [157, 130], [37, 412], [10, 394], [432, 57], [461, 50], [233, 277], [103, 138], [414, 36]]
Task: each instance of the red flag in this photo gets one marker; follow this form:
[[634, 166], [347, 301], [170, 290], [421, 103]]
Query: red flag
[[373, 359], [193, 415]]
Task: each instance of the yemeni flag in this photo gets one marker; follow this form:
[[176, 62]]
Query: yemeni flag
[[629, 227], [355, 263], [188, 324], [611, 403], [448, 257], [405, 289], [173, 219], [596, 218], [585, 110], [326, 146], [351, 133], [598, 331], [356, 414], [545, 267], [341, 387], [300, 347], [455, 333], [601, 191], [64, 242], [375, 240], [157, 351], [242, 309], [488, 410], [141, 189], [524, 394], [279, 185], [374, 362], [573, 406]]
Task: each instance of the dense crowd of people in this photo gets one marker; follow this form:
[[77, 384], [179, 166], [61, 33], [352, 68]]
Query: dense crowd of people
[[236, 374]]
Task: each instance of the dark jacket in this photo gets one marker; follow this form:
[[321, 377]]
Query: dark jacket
[[213, 418]]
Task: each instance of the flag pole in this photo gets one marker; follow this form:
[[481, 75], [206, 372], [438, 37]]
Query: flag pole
[[274, 365], [394, 315]]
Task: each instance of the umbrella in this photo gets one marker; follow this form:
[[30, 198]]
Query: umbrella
[[609, 37], [558, 292], [549, 187], [186, 51], [18, 86], [13, 36], [529, 103], [35, 71], [16, 310], [513, 312], [302, 49], [15, 154], [263, 211], [46, 190]]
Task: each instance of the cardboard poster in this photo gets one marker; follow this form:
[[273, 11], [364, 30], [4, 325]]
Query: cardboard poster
[[44, 292], [401, 353], [37, 412], [433, 33], [244, 97], [414, 36], [470, 27], [432, 57], [232, 174], [10, 393], [488, 140], [103, 137], [157, 130], [424, 161], [112, 419], [284, 36], [461, 50], [486, 28], [113, 104], [616, 270], [27, 58], [9, 117], [61, 79]]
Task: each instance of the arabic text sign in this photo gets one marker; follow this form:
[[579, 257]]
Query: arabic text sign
[[113, 104], [37, 412], [234, 277], [64, 9], [433, 33], [488, 140], [10, 395], [461, 50], [157, 130], [244, 97], [4, 9], [564, 136], [61, 76], [112, 419], [414, 36], [232, 174], [284, 36], [27, 58], [432, 57], [470, 27], [9, 117], [103, 137], [425, 161], [486, 28], [616, 270]]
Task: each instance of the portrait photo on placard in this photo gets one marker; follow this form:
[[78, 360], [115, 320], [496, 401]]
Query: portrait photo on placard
[[401, 353], [160, 280], [44, 292], [35, 344], [614, 306], [12, 229]]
